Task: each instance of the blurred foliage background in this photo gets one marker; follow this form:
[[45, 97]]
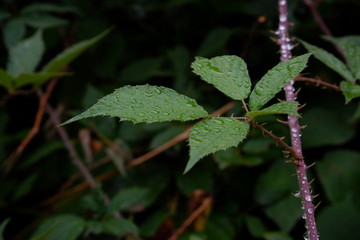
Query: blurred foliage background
[[247, 191]]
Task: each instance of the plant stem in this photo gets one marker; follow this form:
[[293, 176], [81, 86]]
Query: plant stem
[[305, 193]]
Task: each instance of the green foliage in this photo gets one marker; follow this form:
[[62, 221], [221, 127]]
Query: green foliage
[[145, 104], [350, 90], [288, 107], [227, 73], [26, 55], [60, 227], [215, 134], [275, 79], [2, 228], [329, 60]]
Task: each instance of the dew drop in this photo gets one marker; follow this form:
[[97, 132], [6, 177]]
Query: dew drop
[[297, 194], [306, 236], [166, 114], [308, 198], [157, 90], [303, 216], [286, 154], [310, 211]]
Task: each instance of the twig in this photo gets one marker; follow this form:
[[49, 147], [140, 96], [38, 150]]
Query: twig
[[252, 33], [207, 201], [11, 160], [318, 82], [137, 161], [294, 127], [69, 146]]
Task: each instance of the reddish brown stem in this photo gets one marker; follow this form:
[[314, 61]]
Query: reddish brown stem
[[318, 82], [294, 127]]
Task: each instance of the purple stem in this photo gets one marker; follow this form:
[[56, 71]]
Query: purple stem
[[304, 192]]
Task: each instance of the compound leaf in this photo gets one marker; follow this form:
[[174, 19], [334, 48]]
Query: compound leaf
[[275, 79], [228, 74], [212, 135], [288, 107], [350, 90], [26, 55], [145, 103], [72, 52], [329, 60]]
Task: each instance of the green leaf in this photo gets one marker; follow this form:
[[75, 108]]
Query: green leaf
[[48, 7], [6, 80], [228, 74], [44, 21], [200, 177], [340, 220], [325, 127], [329, 60], [36, 79], [153, 223], [256, 227], [275, 79], [212, 135], [215, 41], [72, 52], [63, 226], [339, 174], [285, 213], [14, 31], [140, 71], [2, 227], [231, 157], [350, 90], [131, 199], [119, 227], [145, 103], [287, 107], [26, 55], [351, 49], [276, 236]]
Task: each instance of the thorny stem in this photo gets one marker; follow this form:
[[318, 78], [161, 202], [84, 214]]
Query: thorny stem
[[305, 193], [318, 82]]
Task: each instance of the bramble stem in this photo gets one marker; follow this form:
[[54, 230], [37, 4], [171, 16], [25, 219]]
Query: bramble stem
[[304, 185]]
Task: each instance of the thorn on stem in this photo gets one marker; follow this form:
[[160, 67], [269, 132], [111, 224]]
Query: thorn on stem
[[283, 122], [311, 165], [317, 205]]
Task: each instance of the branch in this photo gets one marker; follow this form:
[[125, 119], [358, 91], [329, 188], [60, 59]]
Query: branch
[[294, 127], [11, 160], [318, 82]]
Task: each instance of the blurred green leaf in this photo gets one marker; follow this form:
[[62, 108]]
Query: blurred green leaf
[[257, 145], [13, 32], [64, 226], [25, 186], [276, 183], [43, 21], [71, 53], [231, 156], [145, 103], [256, 227], [351, 49], [131, 199], [275, 79], [220, 228], [212, 135], [340, 220], [4, 14], [227, 73], [119, 227], [6, 80], [329, 60], [2, 228], [339, 174], [36, 79], [350, 90], [200, 177], [325, 127], [140, 71], [180, 58], [287, 107], [166, 135], [152, 223], [26, 55], [215, 41], [276, 236], [48, 7], [285, 213]]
